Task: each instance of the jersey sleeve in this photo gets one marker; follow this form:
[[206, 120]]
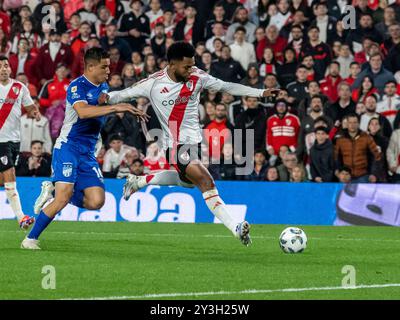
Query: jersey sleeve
[[211, 83], [139, 89], [75, 93], [26, 97]]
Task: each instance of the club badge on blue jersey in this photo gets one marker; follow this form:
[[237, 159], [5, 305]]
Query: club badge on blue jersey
[[67, 169]]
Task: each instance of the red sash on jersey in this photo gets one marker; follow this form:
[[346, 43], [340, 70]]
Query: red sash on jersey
[[10, 100], [189, 35]]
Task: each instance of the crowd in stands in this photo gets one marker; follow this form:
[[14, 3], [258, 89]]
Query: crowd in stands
[[335, 118]]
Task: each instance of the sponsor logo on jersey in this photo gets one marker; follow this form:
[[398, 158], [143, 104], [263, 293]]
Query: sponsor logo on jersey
[[4, 160], [67, 169], [179, 100], [75, 96], [74, 88]]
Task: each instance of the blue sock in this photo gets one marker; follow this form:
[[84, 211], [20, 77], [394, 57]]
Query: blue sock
[[41, 223]]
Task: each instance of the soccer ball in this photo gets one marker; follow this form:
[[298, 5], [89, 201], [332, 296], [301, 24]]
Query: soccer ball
[[293, 240]]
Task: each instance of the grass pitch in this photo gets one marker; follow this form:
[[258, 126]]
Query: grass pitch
[[202, 261]]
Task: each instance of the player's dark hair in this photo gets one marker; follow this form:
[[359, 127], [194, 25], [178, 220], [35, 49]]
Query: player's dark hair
[[95, 55], [180, 50]]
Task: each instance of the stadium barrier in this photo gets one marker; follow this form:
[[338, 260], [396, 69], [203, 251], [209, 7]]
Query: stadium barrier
[[257, 202]]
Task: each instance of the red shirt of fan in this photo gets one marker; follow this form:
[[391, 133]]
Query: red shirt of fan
[[160, 164], [216, 134]]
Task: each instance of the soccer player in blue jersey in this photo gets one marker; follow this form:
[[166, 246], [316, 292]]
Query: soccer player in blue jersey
[[76, 174]]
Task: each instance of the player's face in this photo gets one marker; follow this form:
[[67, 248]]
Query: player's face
[[182, 69], [101, 70], [5, 70]]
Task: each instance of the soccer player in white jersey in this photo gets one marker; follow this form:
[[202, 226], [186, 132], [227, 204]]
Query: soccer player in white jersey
[[174, 94], [13, 95]]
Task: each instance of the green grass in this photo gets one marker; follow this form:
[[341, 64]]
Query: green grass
[[135, 259]]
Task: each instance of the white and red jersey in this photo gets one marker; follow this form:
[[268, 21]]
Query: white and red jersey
[[13, 97], [155, 18], [176, 103], [282, 131]]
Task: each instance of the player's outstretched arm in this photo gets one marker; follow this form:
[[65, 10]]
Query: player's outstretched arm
[[128, 94], [237, 89], [86, 111]]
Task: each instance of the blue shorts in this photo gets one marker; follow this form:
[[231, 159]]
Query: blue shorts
[[76, 164]]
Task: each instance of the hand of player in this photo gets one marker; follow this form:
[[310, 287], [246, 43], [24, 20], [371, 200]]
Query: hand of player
[[126, 107], [103, 98], [270, 92]]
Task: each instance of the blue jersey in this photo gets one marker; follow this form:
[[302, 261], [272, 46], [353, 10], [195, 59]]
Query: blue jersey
[[84, 132]]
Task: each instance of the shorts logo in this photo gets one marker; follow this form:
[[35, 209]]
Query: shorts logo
[[67, 169], [4, 160]]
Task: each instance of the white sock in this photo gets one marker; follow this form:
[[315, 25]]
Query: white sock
[[13, 198], [218, 208], [163, 178]]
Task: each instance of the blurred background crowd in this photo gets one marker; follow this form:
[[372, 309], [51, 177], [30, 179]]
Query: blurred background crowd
[[336, 117]]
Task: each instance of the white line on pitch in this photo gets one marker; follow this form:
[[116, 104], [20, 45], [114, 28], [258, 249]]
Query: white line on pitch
[[242, 292], [200, 235]]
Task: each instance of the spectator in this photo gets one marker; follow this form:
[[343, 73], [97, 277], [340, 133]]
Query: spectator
[[116, 64], [150, 65], [252, 118], [298, 89], [306, 134], [329, 85], [23, 61], [393, 156], [325, 23], [369, 47], [126, 164], [374, 130], [313, 91], [392, 60], [24, 79], [104, 19], [123, 125], [115, 82], [287, 70], [298, 174], [365, 29], [116, 8], [158, 42], [73, 26], [206, 60], [389, 105], [80, 41], [308, 62], [227, 168], [355, 70], [380, 76], [389, 19], [226, 68], [78, 64], [128, 75], [268, 63], [54, 91], [351, 150], [365, 90], [111, 40], [5, 44], [86, 13], [274, 41], [137, 167], [155, 159], [155, 14], [50, 55], [114, 156], [285, 169], [217, 132], [253, 78], [344, 174], [218, 32], [321, 157], [33, 129], [319, 50], [343, 106], [345, 60], [190, 29], [135, 26], [283, 15], [218, 18], [241, 19], [370, 112], [260, 167], [297, 36], [242, 51], [272, 174], [282, 128], [27, 32], [35, 164]]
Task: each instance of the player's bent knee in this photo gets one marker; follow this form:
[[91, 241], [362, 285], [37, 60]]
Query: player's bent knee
[[94, 203]]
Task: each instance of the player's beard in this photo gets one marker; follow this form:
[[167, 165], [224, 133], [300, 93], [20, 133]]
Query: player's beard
[[180, 78]]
